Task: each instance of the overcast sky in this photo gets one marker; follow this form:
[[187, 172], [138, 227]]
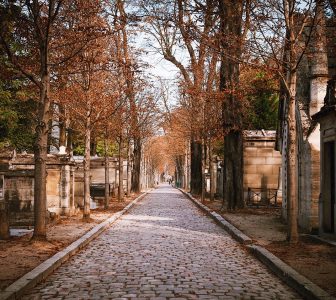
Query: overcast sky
[[158, 66]]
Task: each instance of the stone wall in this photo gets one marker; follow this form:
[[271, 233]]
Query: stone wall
[[309, 187], [308, 181], [19, 191], [53, 188], [19, 194], [98, 170], [65, 184], [97, 174], [18, 172], [262, 164]]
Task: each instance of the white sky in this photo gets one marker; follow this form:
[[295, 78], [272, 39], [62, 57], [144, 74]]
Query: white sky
[[158, 66]]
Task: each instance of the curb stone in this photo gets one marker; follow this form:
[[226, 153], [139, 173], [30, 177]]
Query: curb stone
[[295, 280], [301, 284], [18, 288], [322, 239]]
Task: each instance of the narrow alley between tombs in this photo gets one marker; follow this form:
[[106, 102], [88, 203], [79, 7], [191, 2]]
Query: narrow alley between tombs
[[167, 149], [165, 248]]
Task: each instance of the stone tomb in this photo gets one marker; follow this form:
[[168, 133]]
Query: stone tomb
[[97, 179], [17, 188], [262, 165], [327, 119]]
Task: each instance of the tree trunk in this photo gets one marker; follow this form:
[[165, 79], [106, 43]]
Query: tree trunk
[[121, 173], [187, 179], [203, 170], [233, 170], [87, 158], [107, 175], [144, 174], [69, 142], [231, 23], [292, 205], [179, 171], [135, 184], [196, 167], [136, 166], [128, 170], [40, 157], [212, 173], [93, 145], [4, 220]]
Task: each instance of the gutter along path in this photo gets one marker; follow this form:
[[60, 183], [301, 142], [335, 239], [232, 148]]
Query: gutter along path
[[164, 248]]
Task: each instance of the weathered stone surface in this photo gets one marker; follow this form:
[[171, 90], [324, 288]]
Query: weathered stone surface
[[165, 248]]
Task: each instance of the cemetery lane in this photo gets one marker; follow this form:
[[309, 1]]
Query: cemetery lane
[[165, 248]]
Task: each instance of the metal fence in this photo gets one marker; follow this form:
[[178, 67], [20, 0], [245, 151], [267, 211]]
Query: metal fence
[[262, 197]]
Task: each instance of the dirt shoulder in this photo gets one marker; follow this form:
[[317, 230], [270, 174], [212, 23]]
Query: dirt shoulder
[[20, 255], [311, 258]]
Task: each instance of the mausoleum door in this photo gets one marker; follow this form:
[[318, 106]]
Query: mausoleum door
[[329, 187]]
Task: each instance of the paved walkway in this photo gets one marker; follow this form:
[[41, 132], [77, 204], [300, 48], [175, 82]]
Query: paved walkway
[[165, 248]]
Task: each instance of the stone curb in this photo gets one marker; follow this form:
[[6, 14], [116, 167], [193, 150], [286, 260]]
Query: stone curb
[[321, 239], [233, 231], [298, 282], [42, 271]]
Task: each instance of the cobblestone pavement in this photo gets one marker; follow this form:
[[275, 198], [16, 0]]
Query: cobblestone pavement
[[165, 248]]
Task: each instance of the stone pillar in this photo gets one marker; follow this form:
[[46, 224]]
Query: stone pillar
[[309, 187], [115, 186], [220, 180], [319, 73], [55, 128], [72, 190], [129, 175], [4, 220], [121, 192], [213, 178], [65, 190]]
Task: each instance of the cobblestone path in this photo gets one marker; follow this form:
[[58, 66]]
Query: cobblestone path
[[165, 248]]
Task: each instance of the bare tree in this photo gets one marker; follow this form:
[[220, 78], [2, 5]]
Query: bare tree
[[93, 85], [231, 39], [39, 29], [282, 34], [187, 27]]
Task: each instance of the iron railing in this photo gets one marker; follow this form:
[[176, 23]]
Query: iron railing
[[262, 197]]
